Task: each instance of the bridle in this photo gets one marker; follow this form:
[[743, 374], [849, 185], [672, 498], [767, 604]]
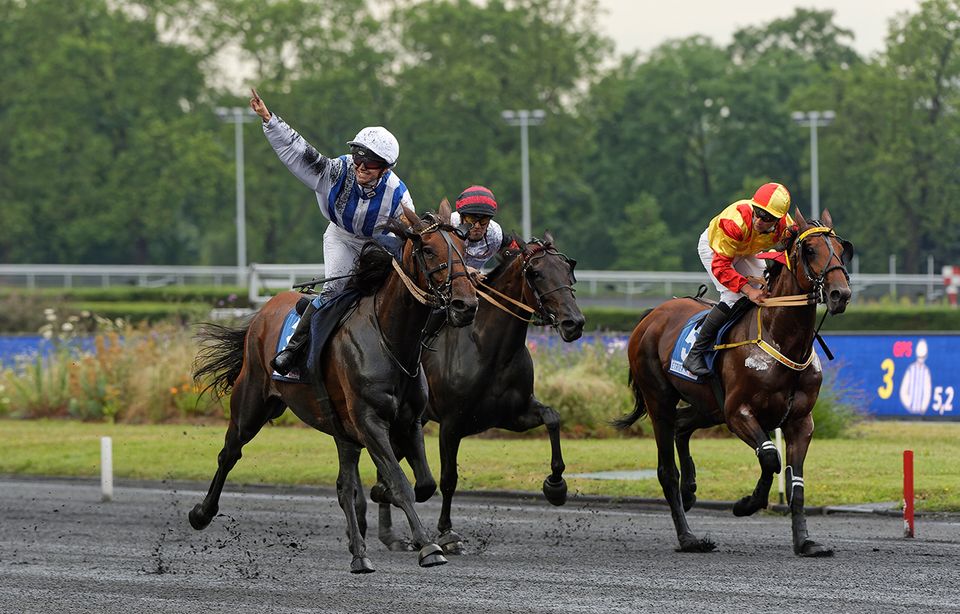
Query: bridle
[[539, 316], [436, 296], [817, 282]]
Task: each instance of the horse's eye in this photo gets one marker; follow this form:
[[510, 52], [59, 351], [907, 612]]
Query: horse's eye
[[428, 251], [533, 273]]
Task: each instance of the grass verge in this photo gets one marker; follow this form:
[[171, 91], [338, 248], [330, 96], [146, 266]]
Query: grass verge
[[867, 467]]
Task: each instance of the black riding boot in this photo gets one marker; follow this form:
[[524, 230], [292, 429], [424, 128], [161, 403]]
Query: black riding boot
[[286, 360], [694, 362]]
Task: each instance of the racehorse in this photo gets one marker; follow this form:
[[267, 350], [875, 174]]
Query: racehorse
[[370, 367], [481, 376], [761, 386]]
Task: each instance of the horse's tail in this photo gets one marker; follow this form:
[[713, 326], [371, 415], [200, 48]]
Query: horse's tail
[[639, 410], [220, 356]]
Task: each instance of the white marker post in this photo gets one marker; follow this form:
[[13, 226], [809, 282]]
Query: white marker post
[[781, 479], [106, 469]]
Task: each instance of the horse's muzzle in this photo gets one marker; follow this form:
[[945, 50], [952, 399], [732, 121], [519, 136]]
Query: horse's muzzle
[[460, 312], [838, 299], [571, 328]]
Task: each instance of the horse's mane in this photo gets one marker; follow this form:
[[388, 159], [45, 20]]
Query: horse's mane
[[373, 265], [511, 247]]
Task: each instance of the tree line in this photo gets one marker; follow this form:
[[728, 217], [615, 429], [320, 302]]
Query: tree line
[[112, 152]]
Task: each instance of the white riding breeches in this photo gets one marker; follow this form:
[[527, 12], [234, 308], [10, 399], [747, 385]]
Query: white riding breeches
[[748, 266], [341, 250]]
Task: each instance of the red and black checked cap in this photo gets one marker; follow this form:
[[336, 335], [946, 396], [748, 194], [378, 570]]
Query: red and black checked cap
[[477, 200]]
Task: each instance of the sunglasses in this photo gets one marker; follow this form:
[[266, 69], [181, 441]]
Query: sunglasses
[[764, 216], [368, 163], [483, 220]]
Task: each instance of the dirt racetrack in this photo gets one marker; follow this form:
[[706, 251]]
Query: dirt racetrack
[[284, 551]]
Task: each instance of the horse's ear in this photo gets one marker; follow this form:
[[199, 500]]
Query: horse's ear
[[445, 211], [826, 219], [412, 218], [547, 237], [800, 220]]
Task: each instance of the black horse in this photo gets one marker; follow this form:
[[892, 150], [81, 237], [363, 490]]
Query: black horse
[[481, 377], [370, 367]]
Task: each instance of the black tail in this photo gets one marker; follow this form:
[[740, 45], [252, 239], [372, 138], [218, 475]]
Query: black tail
[[639, 410], [220, 356]]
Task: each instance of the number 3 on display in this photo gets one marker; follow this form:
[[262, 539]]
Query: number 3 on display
[[887, 389], [942, 399]]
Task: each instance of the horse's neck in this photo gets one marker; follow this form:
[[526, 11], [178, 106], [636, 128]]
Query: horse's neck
[[789, 327], [401, 317], [504, 328]]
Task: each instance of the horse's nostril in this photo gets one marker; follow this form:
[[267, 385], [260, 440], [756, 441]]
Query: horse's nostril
[[459, 304]]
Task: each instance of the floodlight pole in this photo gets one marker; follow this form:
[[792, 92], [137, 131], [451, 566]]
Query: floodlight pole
[[239, 116], [814, 119], [524, 118]]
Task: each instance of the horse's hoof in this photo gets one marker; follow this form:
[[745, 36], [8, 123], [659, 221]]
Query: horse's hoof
[[431, 555], [812, 549], [361, 564], [688, 500], [401, 545], [555, 492], [379, 493], [693, 544], [198, 519], [746, 506], [451, 543], [423, 492]]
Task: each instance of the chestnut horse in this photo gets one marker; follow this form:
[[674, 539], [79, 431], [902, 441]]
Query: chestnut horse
[[371, 369], [481, 376], [761, 386]]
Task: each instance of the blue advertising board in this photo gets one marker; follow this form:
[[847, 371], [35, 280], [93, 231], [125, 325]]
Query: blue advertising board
[[900, 375]]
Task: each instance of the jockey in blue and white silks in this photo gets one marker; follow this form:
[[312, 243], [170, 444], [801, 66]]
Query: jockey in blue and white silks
[[356, 210], [358, 193]]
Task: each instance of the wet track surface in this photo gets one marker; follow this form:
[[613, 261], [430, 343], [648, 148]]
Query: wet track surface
[[62, 550]]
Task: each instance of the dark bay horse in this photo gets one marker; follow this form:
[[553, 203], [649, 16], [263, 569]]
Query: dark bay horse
[[377, 391], [481, 376], [760, 391]]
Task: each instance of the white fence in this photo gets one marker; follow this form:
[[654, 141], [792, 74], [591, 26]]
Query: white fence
[[610, 287]]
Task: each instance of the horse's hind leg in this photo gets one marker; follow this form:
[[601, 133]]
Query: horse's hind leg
[[689, 419], [663, 418], [248, 413], [798, 434], [349, 489], [450, 439], [746, 427], [377, 440], [385, 529]]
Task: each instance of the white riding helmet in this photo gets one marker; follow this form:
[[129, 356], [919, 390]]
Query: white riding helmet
[[380, 141]]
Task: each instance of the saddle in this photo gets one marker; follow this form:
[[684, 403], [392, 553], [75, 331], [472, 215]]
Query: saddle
[[322, 325], [691, 330]]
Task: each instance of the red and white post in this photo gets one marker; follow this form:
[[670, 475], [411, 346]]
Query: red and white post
[[908, 493]]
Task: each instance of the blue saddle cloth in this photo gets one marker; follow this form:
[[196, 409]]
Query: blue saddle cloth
[[686, 339], [324, 321]]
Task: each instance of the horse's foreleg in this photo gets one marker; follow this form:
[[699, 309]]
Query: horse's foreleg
[[798, 435], [554, 487], [248, 414], [377, 440], [449, 447], [348, 489], [663, 421], [410, 445], [745, 426]]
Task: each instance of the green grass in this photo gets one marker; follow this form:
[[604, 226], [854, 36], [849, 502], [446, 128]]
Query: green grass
[[864, 468]]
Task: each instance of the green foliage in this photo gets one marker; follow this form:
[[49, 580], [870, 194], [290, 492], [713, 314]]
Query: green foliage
[[643, 241]]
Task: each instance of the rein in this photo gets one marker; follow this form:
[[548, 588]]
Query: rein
[[796, 300], [540, 250]]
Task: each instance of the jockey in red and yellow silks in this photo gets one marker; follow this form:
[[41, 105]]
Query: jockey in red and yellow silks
[[727, 250]]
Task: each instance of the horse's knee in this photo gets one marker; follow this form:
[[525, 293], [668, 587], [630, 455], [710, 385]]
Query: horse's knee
[[551, 418], [769, 458], [424, 490]]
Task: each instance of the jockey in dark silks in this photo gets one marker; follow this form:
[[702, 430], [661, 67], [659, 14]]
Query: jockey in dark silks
[[358, 193], [727, 250]]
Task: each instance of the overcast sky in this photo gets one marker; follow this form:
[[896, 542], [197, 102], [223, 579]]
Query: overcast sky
[[641, 25]]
